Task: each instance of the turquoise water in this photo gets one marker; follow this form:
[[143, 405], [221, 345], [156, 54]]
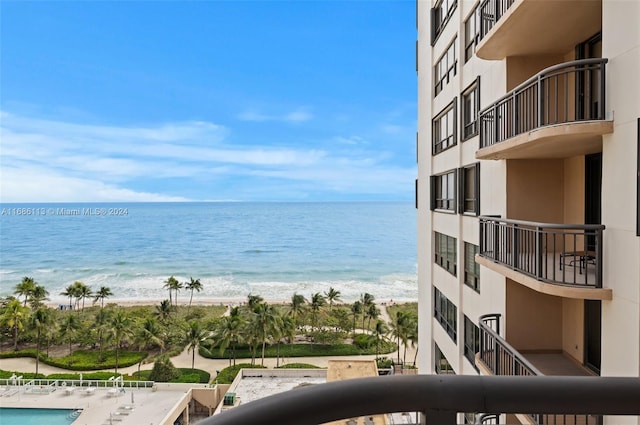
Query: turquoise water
[[270, 249], [17, 416]]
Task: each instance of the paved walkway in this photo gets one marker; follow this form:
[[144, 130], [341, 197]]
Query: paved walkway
[[183, 360]]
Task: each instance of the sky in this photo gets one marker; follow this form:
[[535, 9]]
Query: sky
[[135, 101]]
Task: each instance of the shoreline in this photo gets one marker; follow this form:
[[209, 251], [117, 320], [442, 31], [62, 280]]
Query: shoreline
[[211, 301]]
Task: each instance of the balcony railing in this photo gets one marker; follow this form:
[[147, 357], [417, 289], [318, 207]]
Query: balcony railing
[[502, 359], [439, 399], [496, 353], [564, 93], [562, 254], [490, 12]]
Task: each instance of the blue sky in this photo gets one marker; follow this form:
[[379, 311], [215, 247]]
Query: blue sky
[[207, 100]]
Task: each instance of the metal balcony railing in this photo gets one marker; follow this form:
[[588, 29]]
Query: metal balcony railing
[[496, 353], [438, 398], [490, 12], [502, 359], [567, 92], [562, 254]]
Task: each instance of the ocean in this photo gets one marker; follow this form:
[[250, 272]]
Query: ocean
[[234, 248]]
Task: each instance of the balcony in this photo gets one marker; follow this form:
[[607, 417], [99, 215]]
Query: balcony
[[556, 259], [534, 27], [498, 357], [439, 399], [557, 113]]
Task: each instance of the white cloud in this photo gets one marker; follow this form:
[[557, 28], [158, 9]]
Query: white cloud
[[292, 117], [37, 185], [56, 161]]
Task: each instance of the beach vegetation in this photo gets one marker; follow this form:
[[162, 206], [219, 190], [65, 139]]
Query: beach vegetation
[[192, 285], [332, 295], [101, 294], [39, 320], [15, 316], [25, 288], [228, 374], [173, 285], [163, 370], [194, 337], [299, 366]]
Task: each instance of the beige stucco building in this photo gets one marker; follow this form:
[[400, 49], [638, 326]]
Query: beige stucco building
[[527, 190]]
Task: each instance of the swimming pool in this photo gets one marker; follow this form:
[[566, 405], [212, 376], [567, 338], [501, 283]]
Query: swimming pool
[[18, 416]]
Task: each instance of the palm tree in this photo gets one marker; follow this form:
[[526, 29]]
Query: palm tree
[[173, 285], [70, 327], [195, 335], [228, 332], [163, 311], [332, 296], [101, 324], [101, 294], [367, 300], [69, 292], [379, 331], [297, 305], [288, 328], [38, 295], [120, 329], [193, 285], [14, 316], [265, 317], [372, 312], [84, 292], [356, 309], [317, 301], [253, 301], [25, 288], [150, 334], [39, 320]]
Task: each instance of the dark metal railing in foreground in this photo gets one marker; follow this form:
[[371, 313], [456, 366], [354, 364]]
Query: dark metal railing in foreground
[[564, 254], [438, 398], [567, 92]]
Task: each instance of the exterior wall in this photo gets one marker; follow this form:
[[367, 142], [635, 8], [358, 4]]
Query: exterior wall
[[540, 190], [621, 316], [573, 328], [533, 320], [535, 190]]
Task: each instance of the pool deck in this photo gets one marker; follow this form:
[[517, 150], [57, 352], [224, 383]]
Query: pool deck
[[102, 407]]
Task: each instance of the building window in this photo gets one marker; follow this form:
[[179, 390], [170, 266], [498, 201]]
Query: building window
[[442, 365], [471, 268], [443, 191], [471, 340], [469, 189], [445, 252], [444, 128], [470, 104], [446, 67], [446, 313], [440, 15], [471, 33]]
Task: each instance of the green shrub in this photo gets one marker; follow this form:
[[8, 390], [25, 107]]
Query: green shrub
[[228, 374], [384, 362], [89, 360], [364, 341], [300, 366], [163, 370]]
